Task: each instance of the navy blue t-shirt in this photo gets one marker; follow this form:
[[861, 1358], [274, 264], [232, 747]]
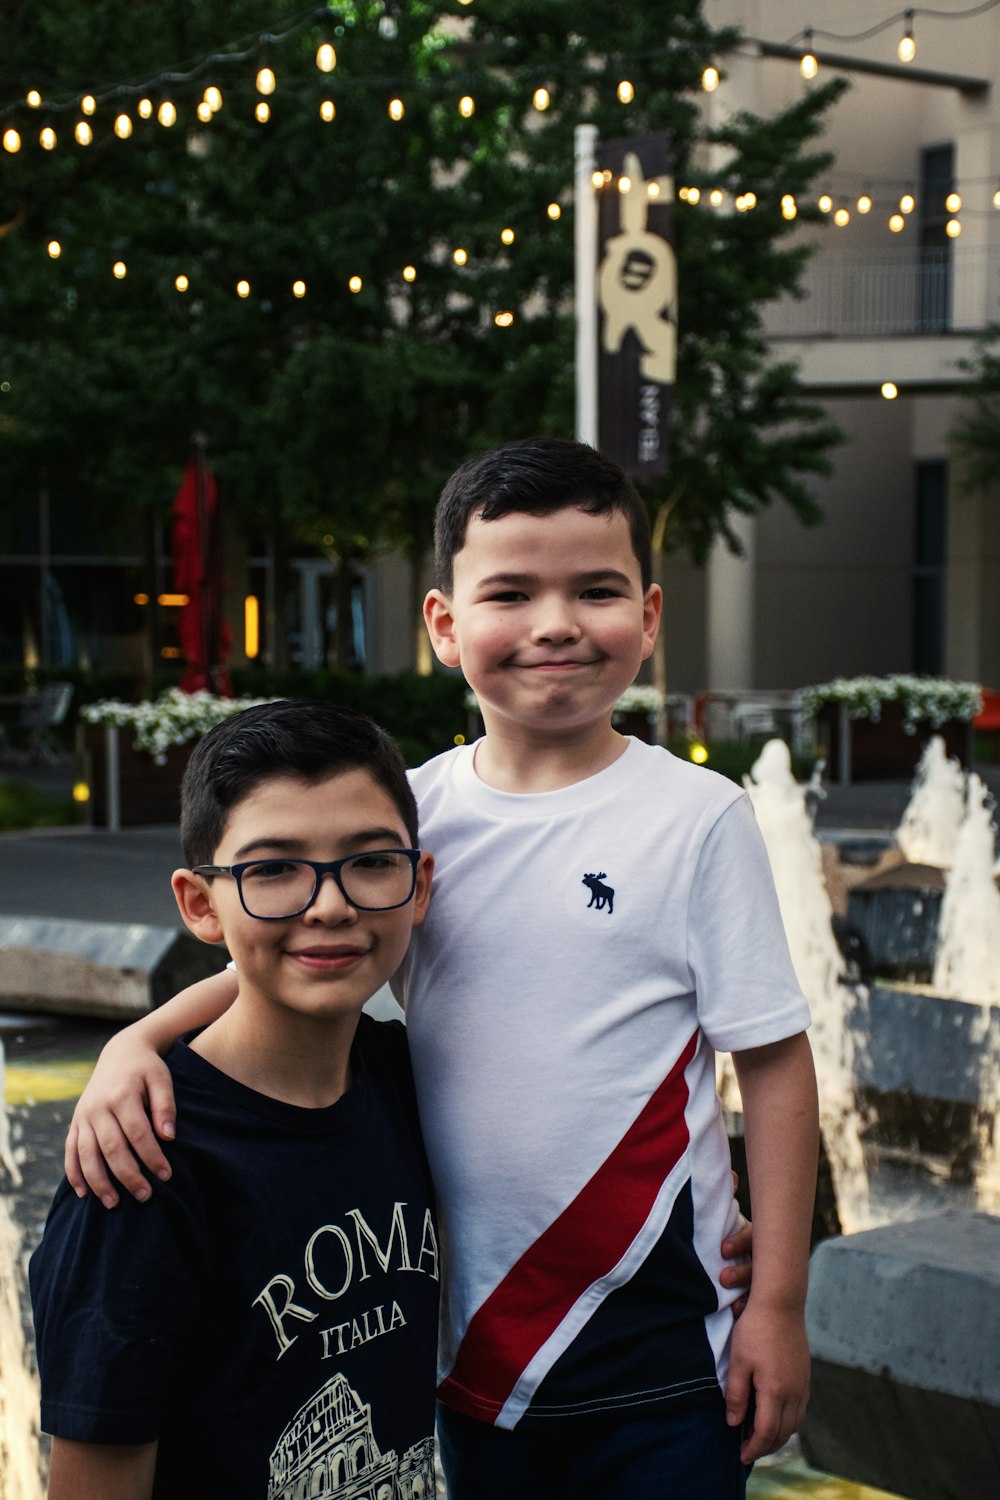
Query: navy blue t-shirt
[[270, 1316]]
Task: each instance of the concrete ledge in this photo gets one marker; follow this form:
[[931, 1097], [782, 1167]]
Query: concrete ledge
[[906, 1380], [922, 1045], [113, 969]]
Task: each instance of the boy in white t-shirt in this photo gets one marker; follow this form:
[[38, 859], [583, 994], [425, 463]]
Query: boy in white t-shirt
[[603, 916]]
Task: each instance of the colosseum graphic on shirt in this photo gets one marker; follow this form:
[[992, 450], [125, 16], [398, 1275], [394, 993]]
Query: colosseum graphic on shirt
[[270, 1316]]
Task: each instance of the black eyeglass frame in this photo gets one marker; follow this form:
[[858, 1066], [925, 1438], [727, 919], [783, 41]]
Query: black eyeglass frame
[[319, 867]]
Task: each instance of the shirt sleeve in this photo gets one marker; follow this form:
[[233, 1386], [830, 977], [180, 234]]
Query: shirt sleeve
[[748, 994], [117, 1299]]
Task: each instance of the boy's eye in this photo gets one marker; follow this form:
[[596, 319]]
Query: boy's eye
[[508, 596], [602, 592], [386, 859], [271, 869]]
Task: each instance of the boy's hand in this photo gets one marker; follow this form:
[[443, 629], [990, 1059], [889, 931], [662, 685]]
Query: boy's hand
[[738, 1247], [111, 1128], [769, 1357]]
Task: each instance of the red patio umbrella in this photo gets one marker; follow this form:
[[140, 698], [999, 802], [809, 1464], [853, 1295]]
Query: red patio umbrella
[[205, 637]]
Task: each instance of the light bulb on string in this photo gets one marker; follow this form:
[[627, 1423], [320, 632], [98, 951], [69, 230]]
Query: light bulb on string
[[327, 110], [466, 106], [541, 99], [326, 57], [47, 138], [597, 178], [298, 289], [626, 93], [123, 127], [265, 80], [750, 199], [507, 236], [907, 49], [824, 203], [890, 390], [82, 133], [88, 104], [396, 109], [181, 282], [710, 79], [896, 222], [243, 289], [865, 204], [625, 185], [953, 203], [144, 109], [33, 98], [460, 256], [503, 319], [355, 284], [789, 209], [808, 65], [652, 188], [204, 111], [953, 229], [167, 114], [409, 273], [119, 270], [715, 197], [54, 248], [842, 218], [554, 211], [11, 141], [996, 198], [907, 203], [388, 28], [694, 194], [263, 112], [213, 98]]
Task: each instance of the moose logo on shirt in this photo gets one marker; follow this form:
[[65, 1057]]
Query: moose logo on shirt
[[601, 895]]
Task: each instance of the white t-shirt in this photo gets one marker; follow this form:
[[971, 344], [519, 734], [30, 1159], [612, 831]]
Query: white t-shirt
[[585, 951]]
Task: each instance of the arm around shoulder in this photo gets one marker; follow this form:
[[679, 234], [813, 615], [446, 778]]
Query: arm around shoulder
[[101, 1471]]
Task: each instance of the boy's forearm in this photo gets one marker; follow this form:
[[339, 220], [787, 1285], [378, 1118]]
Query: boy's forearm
[[197, 1006], [781, 1123], [100, 1471]]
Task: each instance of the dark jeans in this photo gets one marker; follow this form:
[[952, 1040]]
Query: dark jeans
[[688, 1455]]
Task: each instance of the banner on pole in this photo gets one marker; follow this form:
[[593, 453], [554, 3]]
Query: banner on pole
[[637, 303]]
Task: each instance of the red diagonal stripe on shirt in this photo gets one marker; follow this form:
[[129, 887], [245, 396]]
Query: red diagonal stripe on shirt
[[585, 1243]]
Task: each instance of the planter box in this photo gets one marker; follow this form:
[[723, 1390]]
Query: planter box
[[127, 787], [874, 750]]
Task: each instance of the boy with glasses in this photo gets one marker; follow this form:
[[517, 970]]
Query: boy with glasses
[[267, 1325]]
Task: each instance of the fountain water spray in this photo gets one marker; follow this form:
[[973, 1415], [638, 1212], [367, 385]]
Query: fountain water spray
[[928, 833], [785, 822]]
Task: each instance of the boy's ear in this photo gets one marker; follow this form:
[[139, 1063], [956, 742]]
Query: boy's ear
[[422, 894], [440, 622], [193, 895], [652, 609]]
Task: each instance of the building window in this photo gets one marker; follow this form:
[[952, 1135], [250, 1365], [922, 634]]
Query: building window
[[937, 180]]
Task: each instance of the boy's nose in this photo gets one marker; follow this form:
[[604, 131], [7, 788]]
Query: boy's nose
[[556, 621], [330, 905]]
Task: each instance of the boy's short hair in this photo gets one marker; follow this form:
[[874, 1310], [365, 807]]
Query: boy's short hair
[[293, 737], [536, 475]]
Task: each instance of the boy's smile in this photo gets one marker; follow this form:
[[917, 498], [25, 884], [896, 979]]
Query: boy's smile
[[547, 618], [327, 961]]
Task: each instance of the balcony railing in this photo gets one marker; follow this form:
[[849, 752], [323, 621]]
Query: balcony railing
[[883, 294]]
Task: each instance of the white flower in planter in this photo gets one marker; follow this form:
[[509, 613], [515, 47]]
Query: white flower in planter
[[930, 700], [175, 718]]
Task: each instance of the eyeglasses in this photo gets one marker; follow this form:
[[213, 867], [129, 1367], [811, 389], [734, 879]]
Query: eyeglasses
[[273, 890]]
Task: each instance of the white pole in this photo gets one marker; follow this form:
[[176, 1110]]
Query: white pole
[[585, 229]]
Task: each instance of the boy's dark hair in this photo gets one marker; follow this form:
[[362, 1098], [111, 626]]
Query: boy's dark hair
[[536, 475], [293, 737]]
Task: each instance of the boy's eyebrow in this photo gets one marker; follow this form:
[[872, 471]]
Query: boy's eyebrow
[[598, 575], [364, 837]]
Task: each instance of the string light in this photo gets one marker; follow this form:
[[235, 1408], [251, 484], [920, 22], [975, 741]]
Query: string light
[[298, 289], [144, 108], [263, 112], [507, 236], [624, 186], [597, 178], [907, 203], [652, 188], [710, 79], [243, 289], [953, 202], [466, 106], [694, 195], [204, 111], [119, 270], [996, 199], [33, 98], [896, 223], [54, 248], [327, 110], [181, 282], [841, 218], [326, 57], [889, 390], [715, 197], [789, 208], [355, 283], [88, 104], [907, 49], [459, 256], [626, 93], [83, 133], [213, 98], [11, 141], [409, 273], [396, 109], [554, 211], [808, 66], [167, 114], [503, 319], [47, 138], [750, 199], [123, 127], [953, 229], [541, 99], [864, 204], [265, 80]]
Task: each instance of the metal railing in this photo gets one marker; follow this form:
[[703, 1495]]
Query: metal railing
[[883, 293]]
